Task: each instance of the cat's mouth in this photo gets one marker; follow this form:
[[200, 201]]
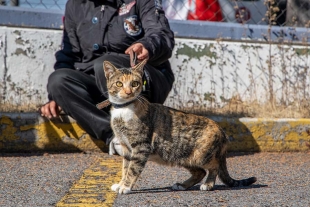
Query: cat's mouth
[[121, 100]]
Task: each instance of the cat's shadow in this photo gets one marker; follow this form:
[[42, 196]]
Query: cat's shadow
[[195, 188]]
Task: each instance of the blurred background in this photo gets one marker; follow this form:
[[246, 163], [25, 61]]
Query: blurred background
[[260, 12]]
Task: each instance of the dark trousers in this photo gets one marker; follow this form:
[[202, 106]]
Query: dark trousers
[[77, 93]]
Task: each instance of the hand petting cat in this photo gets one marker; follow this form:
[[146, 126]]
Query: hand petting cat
[[140, 50]]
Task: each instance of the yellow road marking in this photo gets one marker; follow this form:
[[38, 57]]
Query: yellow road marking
[[93, 188]]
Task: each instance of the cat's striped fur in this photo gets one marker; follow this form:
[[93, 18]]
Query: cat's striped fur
[[154, 132]]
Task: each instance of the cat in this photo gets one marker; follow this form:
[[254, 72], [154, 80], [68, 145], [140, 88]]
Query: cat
[[149, 131]]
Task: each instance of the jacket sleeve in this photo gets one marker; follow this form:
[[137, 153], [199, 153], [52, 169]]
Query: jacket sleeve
[[158, 38], [70, 51]]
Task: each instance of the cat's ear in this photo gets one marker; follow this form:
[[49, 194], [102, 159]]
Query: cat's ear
[[108, 68], [139, 67]]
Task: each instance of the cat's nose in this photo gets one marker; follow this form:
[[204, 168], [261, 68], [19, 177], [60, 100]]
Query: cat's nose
[[128, 91]]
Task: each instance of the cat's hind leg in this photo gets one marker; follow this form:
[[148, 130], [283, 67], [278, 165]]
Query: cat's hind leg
[[209, 184], [197, 175]]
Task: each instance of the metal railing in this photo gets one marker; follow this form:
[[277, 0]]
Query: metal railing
[[259, 12], [40, 4], [11, 3]]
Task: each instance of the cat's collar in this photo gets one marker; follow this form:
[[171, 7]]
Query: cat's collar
[[117, 106], [106, 103]]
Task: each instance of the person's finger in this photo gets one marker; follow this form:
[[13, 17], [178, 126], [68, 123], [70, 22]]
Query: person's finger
[[129, 49], [143, 55], [50, 110], [137, 48], [54, 109], [140, 50], [45, 111]]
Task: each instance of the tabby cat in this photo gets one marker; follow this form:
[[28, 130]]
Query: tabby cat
[[149, 131]]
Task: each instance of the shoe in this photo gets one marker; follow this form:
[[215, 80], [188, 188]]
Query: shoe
[[115, 147]]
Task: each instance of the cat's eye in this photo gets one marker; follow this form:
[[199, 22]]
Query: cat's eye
[[119, 84], [135, 84]]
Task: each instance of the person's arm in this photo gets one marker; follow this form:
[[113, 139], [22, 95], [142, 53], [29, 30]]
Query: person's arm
[[71, 51], [158, 38]]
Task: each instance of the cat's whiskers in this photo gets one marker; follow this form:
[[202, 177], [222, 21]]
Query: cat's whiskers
[[105, 94], [142, 100]]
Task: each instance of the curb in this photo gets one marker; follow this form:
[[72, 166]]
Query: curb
[[29, 132]]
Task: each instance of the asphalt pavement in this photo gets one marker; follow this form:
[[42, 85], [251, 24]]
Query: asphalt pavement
[[31, 180], [283, 179]]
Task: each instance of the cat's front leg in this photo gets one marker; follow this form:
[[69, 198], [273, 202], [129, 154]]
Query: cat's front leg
[[115, 187], [138, 159], [126, 159]]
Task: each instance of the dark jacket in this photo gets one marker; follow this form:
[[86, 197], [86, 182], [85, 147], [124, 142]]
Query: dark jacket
[[93, 27]]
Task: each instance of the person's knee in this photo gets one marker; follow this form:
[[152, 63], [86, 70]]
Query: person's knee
[[118, 60], [57, 80], [98, 64]]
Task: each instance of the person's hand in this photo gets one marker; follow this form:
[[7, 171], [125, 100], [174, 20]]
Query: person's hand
[[140, 50], [50, 110]]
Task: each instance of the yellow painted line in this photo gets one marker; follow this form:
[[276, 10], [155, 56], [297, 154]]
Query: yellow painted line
[[93, 188]]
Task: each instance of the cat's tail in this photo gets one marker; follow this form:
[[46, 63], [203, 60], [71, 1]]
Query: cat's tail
[[227, 180]]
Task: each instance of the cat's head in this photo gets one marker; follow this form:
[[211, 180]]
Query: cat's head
[[124, 84]]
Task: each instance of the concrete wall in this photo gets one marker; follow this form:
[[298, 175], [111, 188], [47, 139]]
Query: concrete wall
[[216, 76], [241, 77], [26, 60]]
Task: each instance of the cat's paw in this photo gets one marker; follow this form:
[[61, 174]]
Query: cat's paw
[[121, 189], [115, 187], [178, 186], [124, 190], [206, 187]]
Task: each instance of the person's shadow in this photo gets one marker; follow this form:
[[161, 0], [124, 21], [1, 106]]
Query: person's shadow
[[73, 137], [31, 133], [239, 135]]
